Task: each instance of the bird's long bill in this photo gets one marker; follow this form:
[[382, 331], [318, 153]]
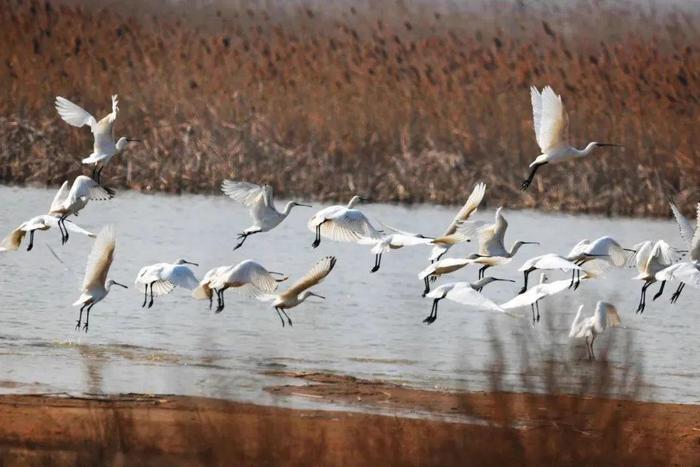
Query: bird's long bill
[[503, 280], [133, 140], [305, 205], [531, 243], [317, 295], [120, 285], [190, 262], [609, 145]]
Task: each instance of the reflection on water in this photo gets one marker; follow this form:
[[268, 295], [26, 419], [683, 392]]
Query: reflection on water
[[370, 325]]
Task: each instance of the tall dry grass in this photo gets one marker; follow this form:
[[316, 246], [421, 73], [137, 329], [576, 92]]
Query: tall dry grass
[[401, 103]]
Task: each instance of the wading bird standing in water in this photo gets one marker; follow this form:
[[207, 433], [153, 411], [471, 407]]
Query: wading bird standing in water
[[67, 202], [551, 124], [465, 293], [605, 316], [262, 206], [162, 278], [687, 272], [248, 277], [95, 285], [298, 292], [452, 236], [342, 224], [104, 147], [13, 241]]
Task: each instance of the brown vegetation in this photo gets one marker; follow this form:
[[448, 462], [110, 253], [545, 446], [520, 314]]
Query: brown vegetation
[[413, 108]]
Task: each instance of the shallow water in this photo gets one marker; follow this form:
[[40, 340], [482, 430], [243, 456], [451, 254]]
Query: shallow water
[[369, 326]]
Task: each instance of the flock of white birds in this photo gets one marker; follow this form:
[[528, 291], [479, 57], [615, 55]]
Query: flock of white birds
[[656, 261]]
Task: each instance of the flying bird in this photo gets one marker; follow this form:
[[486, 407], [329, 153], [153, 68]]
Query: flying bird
[[96, 286], [534, 294], [104, 147], [605, 316], [393, 241], [342, 224], [687, 272], [261, 202], [73, 200], [248, 277], [465, 293], [551, 123], [299, 292], [548, 262], [162, 278], [44, 222]]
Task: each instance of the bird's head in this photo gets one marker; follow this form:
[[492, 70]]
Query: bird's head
[[308, 293], [184, 261], [123, 141], [355, 200], [111, 282]]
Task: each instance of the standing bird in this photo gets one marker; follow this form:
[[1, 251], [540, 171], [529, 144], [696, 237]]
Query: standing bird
[[248, 277], [67, 202], [492, 250], [533, 296], [465, 293], [688, 272], [262, 206], [95, 285], [342, 224], [551, 124], [546, 262], [162, 278], [44, 222], [104, 147], [605, 316], [298, 292], [451, 236], [652, 258]]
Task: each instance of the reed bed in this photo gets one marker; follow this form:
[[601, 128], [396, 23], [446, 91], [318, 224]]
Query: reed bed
[[400, 103]]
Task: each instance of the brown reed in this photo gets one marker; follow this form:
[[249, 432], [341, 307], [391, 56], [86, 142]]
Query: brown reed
[[398, 103]]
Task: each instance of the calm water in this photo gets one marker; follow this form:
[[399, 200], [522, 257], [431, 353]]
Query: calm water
[[370, 325]]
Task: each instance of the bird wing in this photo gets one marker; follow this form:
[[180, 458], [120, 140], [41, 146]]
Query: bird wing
[[687, 272], [470, 297], [248, 194], [468, 209], [313, 277], [664, 253], [13, 240], [578, 249], [552, 122], [255, 274], [536, 99], [526, 298], [85, 187], [73, 114], [182, 276], [684, 226], [268, 196], [100, 258], [605, 316], [500, 226], [642, 254], [52, 221], [60, 197], [554, 262], [695, 244], [576, 324], [349, 225], [613, 317]]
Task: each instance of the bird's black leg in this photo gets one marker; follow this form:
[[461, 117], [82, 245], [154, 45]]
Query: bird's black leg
[[220, 295], [526, 273], [87, 317], [661, 290], [578, 279], [317, 240], [94, 173], [80, 317], [532, 308], [150, 304], [677, 293], [537, 306], [573, 278], [31, 240], [433, 312], [65, 229], [377, 262], [289, 320], [145, 296], [427, 286], [211, 298], [242, 238], [482, 271], [280, 315], [643, 298], [524, 186]]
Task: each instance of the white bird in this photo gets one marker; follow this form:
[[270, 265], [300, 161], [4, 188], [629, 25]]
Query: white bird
[[104, 147], [651, 258], [261, 202], [551, 123], [441, 267], [44, 222], [533, 295], [393, 241], [342, 224], [548, 262], [452, 236], [248, 277], [298, 292], [491, 237], [605, 316], [595, 257], [465, 293], [162, 278], [67, 202], [687, 272], [95, 285]]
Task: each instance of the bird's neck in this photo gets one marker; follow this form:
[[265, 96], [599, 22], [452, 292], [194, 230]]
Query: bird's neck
[[585, 151], [288, 208], [514, 249], [482, 282]]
